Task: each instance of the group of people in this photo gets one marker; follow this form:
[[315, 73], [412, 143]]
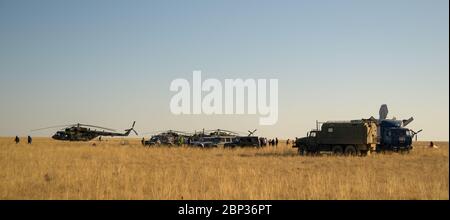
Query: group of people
[[270, 142], [29, 139], [273, 142]]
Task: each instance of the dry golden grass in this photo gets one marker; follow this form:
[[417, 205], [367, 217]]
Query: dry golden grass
[[50, 169]]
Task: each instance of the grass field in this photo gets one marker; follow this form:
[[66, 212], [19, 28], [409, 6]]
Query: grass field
[[49, 169]]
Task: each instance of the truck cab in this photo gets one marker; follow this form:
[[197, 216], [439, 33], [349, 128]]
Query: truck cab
[[394, 137], [304, 144]]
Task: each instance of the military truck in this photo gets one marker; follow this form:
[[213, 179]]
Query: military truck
[[243, 141], [355, 137]]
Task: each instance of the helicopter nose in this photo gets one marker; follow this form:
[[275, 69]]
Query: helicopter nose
[[56, 137]]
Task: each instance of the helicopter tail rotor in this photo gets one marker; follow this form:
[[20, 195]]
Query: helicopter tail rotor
[[131, 129], [416, 132]]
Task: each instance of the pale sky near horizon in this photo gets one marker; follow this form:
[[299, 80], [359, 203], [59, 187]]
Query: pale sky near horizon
[[111, 62]]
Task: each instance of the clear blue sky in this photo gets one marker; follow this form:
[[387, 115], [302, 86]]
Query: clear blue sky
[[111, 62]]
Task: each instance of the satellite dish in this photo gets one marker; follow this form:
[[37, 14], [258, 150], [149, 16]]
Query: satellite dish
[[383, 112]]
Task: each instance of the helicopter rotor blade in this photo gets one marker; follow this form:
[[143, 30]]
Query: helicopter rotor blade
[[222, 130], [407, 121], [56, 126], [231, 132], [250, 133], [128, 131], [418, 131], [151, 133], [180, 132], [94, 126]]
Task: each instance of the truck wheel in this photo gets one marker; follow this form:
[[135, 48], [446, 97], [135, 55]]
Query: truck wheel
[[300, 151], [337, 150], [404, 151], [350, 150], [365, 153]]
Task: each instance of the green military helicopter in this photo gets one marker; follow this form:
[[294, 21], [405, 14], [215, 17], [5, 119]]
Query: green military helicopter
[[84, 132]]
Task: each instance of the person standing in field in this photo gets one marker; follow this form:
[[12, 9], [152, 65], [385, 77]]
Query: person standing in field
[[29, 139], [17, 140], [143, 141], [181, 141], [276, 142], [287, 142]]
